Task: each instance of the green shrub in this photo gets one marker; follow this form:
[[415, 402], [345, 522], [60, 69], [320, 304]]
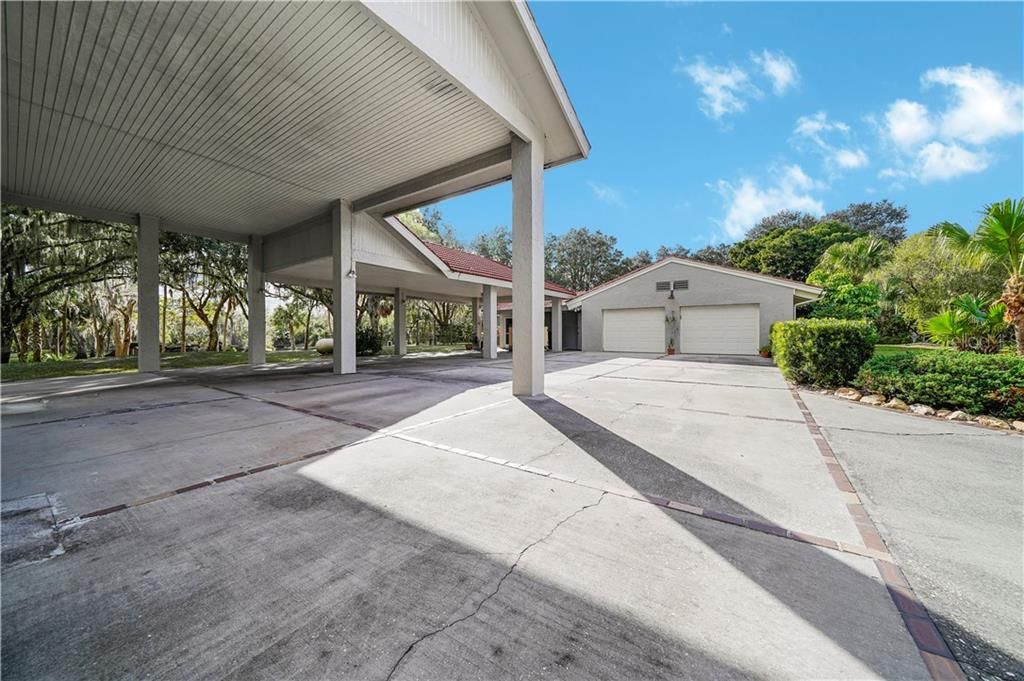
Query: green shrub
[[825, 352], [979, 384], [369, 342]]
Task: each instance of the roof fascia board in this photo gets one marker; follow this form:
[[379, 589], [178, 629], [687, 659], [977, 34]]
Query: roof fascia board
[[554, 79]]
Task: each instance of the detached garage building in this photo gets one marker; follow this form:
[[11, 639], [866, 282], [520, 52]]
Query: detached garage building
[[700, 308]]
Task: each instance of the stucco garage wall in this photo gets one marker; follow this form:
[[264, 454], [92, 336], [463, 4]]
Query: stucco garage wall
[[707, 287]]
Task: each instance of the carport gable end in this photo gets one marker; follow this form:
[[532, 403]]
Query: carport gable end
[[697, 307]]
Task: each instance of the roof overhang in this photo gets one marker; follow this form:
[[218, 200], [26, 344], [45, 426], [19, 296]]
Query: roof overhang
[[230, 119]]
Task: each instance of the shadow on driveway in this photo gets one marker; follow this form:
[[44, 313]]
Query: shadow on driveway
[[822, 601]]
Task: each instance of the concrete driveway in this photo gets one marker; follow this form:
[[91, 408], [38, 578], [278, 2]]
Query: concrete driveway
[[647, 519]]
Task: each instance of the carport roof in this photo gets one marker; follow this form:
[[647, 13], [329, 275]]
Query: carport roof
[[812, 292]]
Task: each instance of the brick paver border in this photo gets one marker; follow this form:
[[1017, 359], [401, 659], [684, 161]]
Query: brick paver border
[[933, 649]]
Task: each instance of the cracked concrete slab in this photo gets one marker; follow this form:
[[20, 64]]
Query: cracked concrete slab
[[337, 566]]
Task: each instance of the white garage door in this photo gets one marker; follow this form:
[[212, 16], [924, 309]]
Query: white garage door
[[635, 330], [719, 329]]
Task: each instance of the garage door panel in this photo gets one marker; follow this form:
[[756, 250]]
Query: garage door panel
[[634, 330], [719, 329]]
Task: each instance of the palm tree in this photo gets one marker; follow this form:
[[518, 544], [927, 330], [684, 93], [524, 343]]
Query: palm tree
[[856, 258], [999, 239]]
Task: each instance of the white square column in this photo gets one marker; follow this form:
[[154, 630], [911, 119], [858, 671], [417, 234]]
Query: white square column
[[399, 340], [527, 267], [489, 339], [556, 325], [343, 283], [148, 244], [476, 318], [257, 303]]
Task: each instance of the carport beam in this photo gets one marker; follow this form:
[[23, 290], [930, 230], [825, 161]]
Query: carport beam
[[343, 283], [400, 346], [148, 244], [556, 325], [489, 341], [257, 303], [527, 267]]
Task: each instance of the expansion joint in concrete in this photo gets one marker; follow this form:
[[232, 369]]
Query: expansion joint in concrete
[[495, 590]]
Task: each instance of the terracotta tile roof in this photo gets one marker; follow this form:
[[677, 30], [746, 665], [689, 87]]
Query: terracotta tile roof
[[471, 263]]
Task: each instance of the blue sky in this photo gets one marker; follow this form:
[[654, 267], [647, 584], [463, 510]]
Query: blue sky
[[705, 116]]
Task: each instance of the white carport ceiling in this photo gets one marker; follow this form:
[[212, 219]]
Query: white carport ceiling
[[243, 117]]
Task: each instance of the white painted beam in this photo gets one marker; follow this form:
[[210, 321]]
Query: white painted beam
[[556, 325], [344, 284], [527, 267], [489, 340], [399, 331], [148, 280], [387, 198], [257, 303]]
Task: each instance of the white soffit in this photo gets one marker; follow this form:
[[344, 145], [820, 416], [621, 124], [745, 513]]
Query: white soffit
[[238, 116]]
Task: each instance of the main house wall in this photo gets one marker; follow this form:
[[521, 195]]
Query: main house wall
[[707, 287]]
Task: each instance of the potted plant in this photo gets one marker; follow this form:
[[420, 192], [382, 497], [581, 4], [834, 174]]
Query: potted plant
[[765, 351], [671, 347]]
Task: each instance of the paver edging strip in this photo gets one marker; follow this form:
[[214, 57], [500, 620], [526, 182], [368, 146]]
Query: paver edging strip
[[931, 645]]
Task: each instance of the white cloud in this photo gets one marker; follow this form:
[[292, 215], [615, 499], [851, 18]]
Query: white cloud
[[817, 129], [850, 159], [749, 201], [942, 145], [778, 68], [984, 106], [607, 194], [908, 123], [726, 29], [938, 161], [725, 89]]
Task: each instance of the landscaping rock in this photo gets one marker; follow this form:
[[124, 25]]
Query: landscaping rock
[[873, 399], [957, 416], [1018, 425], [993, 422], [848, 394], [897, 404], [922, 409], [943, 413], [325, 346]]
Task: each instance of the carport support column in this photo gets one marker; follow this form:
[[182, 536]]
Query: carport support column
[[489, 340], [400, 347], [556, 325], [476, 318], [527, 267], [343, 283], [257, 303], [148, 243]]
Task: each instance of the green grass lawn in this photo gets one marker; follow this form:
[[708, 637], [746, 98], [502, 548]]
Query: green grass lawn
[[908, 347], [22, 371]]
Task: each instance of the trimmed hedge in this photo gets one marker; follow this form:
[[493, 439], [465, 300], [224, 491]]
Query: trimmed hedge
[[825, 352], [978, 384]]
